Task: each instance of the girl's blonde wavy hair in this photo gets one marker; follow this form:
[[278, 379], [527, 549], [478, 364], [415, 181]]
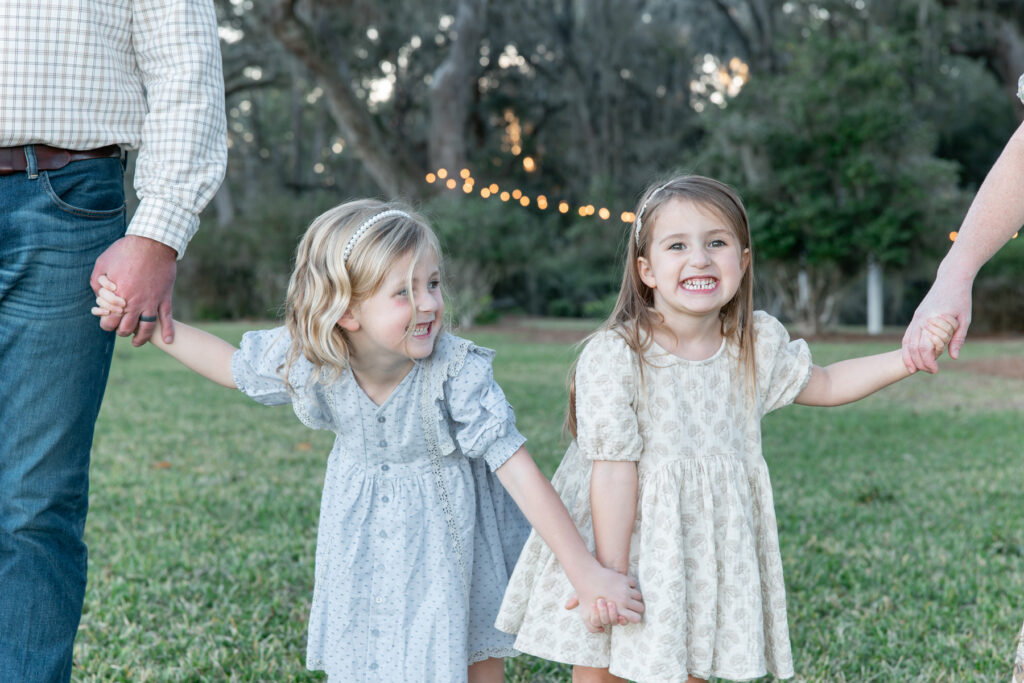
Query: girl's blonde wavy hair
[[324, 286], [634, 317]]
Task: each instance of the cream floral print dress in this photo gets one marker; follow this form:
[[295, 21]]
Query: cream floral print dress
[[704, 549]]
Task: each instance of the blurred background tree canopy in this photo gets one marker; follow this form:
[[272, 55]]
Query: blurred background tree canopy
[[855, 130]]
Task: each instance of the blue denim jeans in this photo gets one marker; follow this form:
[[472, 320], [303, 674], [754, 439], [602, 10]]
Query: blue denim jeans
[[54, 360]]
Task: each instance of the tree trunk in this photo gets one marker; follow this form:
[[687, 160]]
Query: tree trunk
[[451, 91], [390, 165], [806, 294], [224, 204], [874, 304], [298, 161]]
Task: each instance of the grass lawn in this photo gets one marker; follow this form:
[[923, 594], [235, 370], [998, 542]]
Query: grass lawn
[[899, 518]]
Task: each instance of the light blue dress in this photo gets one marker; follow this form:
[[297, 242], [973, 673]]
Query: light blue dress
[[417, 538]]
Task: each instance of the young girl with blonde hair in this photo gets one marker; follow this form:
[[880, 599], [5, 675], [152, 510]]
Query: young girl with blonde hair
[[665, 476], [417, 536]]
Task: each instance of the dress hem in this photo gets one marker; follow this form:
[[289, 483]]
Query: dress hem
[[493, 653]]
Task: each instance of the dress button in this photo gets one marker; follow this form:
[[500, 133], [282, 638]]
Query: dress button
[[373, 666], [381, 419], [383, 534], [378, 599], [374, 633], [384, 468], [385, 499], [383, 443]]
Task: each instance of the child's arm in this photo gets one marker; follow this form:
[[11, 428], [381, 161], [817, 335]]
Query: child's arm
[[200, 351], [613, 496], [852, 380], [545, 511]]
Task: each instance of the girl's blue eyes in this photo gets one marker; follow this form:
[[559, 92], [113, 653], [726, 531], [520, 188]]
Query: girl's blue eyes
[[679, 246], [433, 284]]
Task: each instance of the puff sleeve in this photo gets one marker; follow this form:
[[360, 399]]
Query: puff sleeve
[[484, 425], [783, 365], [606, 400], [255, 369]]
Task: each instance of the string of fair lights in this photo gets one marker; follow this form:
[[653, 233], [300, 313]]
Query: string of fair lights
[[541, 201]]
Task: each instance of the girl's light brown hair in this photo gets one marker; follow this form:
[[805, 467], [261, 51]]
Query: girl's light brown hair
[[324, 285], [634, 317]]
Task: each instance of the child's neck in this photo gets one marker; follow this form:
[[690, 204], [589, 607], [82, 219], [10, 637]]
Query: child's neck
[[690, 338], [377, 378]]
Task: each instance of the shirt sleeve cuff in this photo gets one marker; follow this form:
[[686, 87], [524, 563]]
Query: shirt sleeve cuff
[[504, 448], [164, 222]]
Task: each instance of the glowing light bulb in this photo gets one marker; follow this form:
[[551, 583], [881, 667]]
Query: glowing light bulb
[[431, 177], [442, 173]]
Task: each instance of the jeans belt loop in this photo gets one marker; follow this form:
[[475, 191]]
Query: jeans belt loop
[[31, 165]]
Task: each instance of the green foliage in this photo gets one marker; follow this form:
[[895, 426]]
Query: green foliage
[[536, 261], [833, 161], [484, 243], [600, 308], [999, 292], [972, 115], [241, 270]]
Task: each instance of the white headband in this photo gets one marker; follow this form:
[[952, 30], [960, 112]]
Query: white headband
[[367, 224], [638, 223]]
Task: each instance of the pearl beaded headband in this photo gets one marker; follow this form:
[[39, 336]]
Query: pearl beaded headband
[[366, 225], [638, 222]]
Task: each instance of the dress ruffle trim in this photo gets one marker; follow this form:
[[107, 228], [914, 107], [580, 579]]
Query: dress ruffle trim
[[446, 363]]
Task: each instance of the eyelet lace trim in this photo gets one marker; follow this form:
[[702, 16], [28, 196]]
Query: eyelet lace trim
[[493, 652], [434, 385]]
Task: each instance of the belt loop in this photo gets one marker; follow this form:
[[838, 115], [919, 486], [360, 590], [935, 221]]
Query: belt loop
[[31, 165]]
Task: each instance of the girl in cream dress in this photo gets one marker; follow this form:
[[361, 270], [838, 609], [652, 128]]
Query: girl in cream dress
[[665, 475]]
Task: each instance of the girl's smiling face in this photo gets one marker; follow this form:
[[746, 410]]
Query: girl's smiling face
[[695, 263], [384, 328]]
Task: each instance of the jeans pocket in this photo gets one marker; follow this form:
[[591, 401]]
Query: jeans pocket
[[93, 188]]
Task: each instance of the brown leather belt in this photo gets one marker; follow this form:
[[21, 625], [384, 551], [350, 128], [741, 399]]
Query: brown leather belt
[[12, 159]]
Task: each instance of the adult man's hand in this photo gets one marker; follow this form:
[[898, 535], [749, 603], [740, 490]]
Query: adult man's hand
[[144, 271]]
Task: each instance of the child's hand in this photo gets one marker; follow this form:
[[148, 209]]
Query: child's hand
[[615, 601], [107, 301], [603, 614], [940, 330]]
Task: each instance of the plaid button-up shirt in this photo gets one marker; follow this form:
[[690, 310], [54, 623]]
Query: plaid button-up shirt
[[143, 74]]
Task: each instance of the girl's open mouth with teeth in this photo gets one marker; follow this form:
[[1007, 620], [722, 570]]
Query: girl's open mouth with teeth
[[699, 284], [423, 329]]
